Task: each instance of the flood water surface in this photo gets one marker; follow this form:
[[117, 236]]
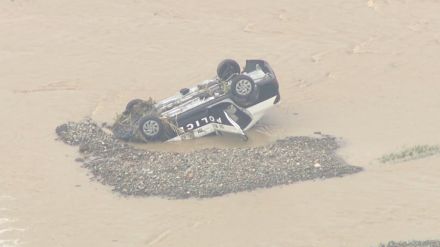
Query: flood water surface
[[363, 71]]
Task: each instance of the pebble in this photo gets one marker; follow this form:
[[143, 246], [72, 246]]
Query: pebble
[[204, 173]]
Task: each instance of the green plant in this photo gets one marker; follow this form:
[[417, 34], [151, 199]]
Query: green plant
[[411, 153]]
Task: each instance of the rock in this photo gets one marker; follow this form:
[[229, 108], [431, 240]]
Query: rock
[[203, 173]]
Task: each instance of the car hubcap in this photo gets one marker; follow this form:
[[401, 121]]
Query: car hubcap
[[243, 87], [151, 128]]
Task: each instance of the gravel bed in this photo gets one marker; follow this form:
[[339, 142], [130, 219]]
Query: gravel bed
[[428, 243], [204, 173]]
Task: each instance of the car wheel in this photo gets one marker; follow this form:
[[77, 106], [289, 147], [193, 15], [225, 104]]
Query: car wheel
[[227, 68], [151, 128], [244, 91], [242, 86], [131, 104]]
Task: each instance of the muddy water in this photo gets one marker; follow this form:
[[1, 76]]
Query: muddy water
[[365, 71]]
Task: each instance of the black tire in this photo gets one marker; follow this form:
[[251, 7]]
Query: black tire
[[244, 91], [131, 104], [151, 128], [227, 68]]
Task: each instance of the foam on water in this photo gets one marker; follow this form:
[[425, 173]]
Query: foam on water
[[8, 229]]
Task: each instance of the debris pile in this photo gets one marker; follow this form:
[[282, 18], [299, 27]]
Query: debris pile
[[203, 173], [126, 126]]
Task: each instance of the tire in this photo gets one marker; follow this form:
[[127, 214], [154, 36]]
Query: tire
[[244, 91], [151, 128], [131, 104], [227, 68], [242, 86]]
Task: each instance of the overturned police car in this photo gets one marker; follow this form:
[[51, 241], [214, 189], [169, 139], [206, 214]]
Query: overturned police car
[[232, 102]]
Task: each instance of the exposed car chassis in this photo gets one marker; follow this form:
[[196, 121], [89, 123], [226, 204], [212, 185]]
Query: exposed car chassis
[[232, 102]]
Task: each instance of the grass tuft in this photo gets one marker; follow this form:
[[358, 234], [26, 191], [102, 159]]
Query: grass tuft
[[412, 153]]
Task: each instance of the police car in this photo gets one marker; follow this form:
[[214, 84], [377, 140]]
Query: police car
[[232, 102]]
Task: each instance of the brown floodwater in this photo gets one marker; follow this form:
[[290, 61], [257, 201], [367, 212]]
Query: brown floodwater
[[364, 71]]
